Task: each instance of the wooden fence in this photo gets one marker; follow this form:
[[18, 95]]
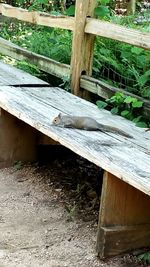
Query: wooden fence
[[85, 27]]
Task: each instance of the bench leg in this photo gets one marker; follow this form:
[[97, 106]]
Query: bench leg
[[17, 140], [124, 218]]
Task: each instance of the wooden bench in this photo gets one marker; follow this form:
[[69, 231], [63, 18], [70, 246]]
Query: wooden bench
[[124, 217]]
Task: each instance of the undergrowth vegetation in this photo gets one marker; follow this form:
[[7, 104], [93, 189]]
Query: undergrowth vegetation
[[118, 64]]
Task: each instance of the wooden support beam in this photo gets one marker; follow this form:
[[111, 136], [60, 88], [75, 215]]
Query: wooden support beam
[[82, 45], [17, 140], [124, 219], [115, 240]]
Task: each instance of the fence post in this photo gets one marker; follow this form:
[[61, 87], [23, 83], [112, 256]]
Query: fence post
[[82, 44]]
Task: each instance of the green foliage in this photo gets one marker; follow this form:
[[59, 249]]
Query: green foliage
[[49, 42], [70, 11], [118, 64], [127, 106], [102, 10], [101, 104], [18, 165], [65, 83], [123, 65], [55, 44], [71, 212], [145, 257], [30, 68], [43, 5]]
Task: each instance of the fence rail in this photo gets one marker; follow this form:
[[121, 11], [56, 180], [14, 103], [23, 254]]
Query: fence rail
[[93, 26], [35, 17], [43, 63], [85, 27], [119, 33]]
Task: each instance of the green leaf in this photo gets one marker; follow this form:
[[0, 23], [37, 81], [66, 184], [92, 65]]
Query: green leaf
[[115, 110], [101, 11], [70, 11], [142, 124], [119, 94], [146, 92], [136, 50], [137, 104], [129, 99], [124, 113], [104, 2], [101, 104], [130, 116], [144, 78], [145, 257], [137, 119]]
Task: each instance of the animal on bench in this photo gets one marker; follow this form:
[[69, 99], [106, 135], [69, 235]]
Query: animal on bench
[[85, 123]]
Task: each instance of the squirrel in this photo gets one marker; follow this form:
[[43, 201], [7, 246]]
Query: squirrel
[[85, 123]]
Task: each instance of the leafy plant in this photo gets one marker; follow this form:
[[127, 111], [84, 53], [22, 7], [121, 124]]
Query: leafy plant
[[18, 165], [30, 68], [71, 209], [70, 11], [122, 65], [102, 10], [65, 83], [127, 106], [145, 257]]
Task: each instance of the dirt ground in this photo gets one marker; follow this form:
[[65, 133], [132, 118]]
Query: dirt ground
[[41, 223]]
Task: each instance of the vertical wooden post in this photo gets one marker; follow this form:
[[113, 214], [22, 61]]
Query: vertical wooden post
[[124, 219], [17, 140], [82, 44]]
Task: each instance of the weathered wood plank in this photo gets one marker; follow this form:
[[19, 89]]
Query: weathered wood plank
[[124, 158], [124, 218], [36, 17], [117, 32], [17, 140], [122, 239], [12, 76], [122, 204], [43, 63]]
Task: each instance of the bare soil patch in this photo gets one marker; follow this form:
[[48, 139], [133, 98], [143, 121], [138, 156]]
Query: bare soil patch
[[48, 216]]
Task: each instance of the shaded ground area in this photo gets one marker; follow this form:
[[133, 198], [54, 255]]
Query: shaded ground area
[[48, 216]]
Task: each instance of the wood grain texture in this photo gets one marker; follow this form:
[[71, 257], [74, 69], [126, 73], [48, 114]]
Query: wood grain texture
[[36, 17], [128, 159], [12, 76], [124, 218], [122, 204], [78, 45], [17, 140], [116, 240], [43, 63], [117, 32]]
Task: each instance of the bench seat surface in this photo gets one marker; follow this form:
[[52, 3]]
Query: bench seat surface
[[128, 159]]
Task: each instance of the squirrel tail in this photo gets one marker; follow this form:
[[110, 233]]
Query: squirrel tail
[[106, 128]]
